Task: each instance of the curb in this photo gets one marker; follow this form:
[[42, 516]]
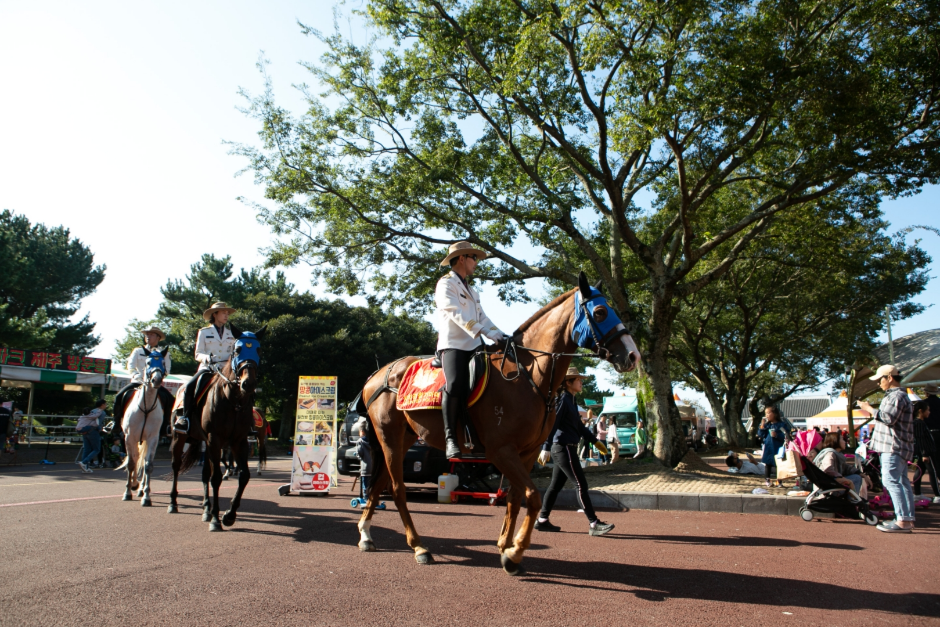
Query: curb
[[687, 502]]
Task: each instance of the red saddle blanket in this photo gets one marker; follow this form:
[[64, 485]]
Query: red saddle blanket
[[422, 384]]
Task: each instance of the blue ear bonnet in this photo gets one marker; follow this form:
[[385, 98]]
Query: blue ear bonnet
[[155, 362], [246, 349], [585, 317]]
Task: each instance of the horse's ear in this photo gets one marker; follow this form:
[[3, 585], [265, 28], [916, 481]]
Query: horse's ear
[[599, 285], [236, 332], [260, 334], [165, 351], [146, 351], [583, 285]]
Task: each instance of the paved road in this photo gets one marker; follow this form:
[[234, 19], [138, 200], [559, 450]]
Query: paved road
[[74, 554]]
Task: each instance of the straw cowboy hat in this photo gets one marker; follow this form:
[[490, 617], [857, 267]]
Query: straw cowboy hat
[[573, 373], [220, 306], [156, 331], [462, 248]]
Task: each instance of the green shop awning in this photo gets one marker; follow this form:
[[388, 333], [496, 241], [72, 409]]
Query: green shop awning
[[44, 375]]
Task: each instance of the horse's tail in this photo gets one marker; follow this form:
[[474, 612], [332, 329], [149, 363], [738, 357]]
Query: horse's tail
[[191, 455], [127, 459], [141, 458]]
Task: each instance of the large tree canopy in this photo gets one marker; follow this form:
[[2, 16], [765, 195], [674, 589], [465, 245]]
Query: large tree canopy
[[533, 129], [44, 275]]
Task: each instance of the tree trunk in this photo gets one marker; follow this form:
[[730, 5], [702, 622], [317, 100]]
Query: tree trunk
[[670, 446], [754, 410]]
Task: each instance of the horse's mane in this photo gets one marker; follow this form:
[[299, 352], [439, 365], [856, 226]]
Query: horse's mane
[[544, 310]]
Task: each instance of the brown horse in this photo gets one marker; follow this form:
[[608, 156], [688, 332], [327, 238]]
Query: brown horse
[[512, 418], [226, 421]]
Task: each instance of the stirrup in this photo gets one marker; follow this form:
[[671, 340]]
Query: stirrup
[[181, 425]]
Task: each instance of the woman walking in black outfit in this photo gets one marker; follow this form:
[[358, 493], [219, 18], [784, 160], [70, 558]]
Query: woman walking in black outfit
[[562, 442]]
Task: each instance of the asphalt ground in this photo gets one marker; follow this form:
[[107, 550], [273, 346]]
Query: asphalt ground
[[74, 554]]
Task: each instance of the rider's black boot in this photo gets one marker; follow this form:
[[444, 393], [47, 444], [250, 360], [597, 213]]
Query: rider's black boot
[[451, 409], [182, 418]]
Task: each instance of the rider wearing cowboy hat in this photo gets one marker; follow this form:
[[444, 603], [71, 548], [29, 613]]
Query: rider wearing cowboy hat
[[462, 322], [214, 346], [137, 365]]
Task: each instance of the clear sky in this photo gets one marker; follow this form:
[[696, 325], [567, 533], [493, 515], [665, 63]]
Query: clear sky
[[112, 122]]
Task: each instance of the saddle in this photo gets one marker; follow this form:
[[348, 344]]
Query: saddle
[[423, 381]]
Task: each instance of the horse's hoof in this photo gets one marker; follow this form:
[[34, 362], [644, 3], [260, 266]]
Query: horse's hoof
[[424, 558], [127, 497], [172, 509], [140, 494], [369, 546], [146, 502], [228, 519], [215, 525], [206, 517], [510, 566]]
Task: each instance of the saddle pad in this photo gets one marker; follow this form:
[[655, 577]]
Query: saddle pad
[[200, 393], [422, 384]]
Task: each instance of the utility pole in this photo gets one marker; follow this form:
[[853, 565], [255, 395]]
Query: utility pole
[[890, 340]]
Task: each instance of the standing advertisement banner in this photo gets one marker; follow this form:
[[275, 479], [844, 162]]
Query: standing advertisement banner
[[314, 467]]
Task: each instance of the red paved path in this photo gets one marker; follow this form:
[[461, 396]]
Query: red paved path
[[293, 561]]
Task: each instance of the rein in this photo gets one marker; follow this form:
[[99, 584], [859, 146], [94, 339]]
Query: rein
[[142, 406]]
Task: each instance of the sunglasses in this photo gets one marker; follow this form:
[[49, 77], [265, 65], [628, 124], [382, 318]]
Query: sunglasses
[[474, 257]]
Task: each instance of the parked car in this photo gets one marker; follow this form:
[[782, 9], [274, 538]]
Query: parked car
[[423, 463]]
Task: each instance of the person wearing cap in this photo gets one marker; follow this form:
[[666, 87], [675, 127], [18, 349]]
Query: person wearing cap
[[137, 366], [893, 440], [214, 346], [462, 322], [560, 448]]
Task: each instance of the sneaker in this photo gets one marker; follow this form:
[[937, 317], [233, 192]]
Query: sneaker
[[936, 500], [598, 528], [546, 526], [82, 466], [580, 511]]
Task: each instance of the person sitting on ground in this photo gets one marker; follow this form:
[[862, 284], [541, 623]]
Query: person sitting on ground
[[831, 461], [117, 455], [560, 448], [739, 466]]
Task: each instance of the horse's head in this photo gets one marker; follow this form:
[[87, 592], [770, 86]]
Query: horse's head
[[246, 358], [597, 327], [156, 367]]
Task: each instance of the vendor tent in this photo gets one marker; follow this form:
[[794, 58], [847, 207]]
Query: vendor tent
[[835, 416], [31, 369], [917, 356]]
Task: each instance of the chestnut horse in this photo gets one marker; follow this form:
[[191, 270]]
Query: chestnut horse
[[512, 418], [226, 421]]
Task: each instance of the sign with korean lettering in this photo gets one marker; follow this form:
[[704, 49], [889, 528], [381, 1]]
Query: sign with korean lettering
[[51, 360], [314, 467]]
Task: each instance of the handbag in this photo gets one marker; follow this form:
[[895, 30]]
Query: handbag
[[788, 468]]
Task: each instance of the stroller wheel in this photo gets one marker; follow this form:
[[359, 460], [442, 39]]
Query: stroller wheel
[[871, 519], [806, 514]]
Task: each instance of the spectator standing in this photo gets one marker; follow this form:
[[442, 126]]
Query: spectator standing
[[773, 434], [933, 421], [602, 436], [90, 430], [925, 449], [364, 453], [613, 441], [893, 440], [641, 438]]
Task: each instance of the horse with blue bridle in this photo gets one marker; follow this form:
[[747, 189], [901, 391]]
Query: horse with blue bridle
[[142, 422], [225, 419]]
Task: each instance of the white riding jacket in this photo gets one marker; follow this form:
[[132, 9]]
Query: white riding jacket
[[208, 342], [462, 320], [137, 364]]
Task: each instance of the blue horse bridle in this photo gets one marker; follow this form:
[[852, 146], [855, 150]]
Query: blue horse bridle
[[595, 327]]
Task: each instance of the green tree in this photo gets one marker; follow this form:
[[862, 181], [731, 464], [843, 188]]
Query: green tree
[[795, 310], [44, 275], [535, 126]]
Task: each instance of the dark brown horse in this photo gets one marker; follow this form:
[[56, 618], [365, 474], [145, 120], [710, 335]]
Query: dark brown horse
[[226, 421], [512, 418]]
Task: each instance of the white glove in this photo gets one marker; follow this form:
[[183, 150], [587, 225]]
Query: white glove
[[494, 335], [544, 456]]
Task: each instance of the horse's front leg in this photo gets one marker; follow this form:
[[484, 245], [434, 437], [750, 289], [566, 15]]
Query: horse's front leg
[[176, 449], [215, 457], [514, 469], [131, 474], [380, 481], [240, 452], [146, 462], [206, 476], [513, 504]]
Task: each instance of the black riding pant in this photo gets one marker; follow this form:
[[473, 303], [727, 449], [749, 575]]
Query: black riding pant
[[567, 466], [456, 364]]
